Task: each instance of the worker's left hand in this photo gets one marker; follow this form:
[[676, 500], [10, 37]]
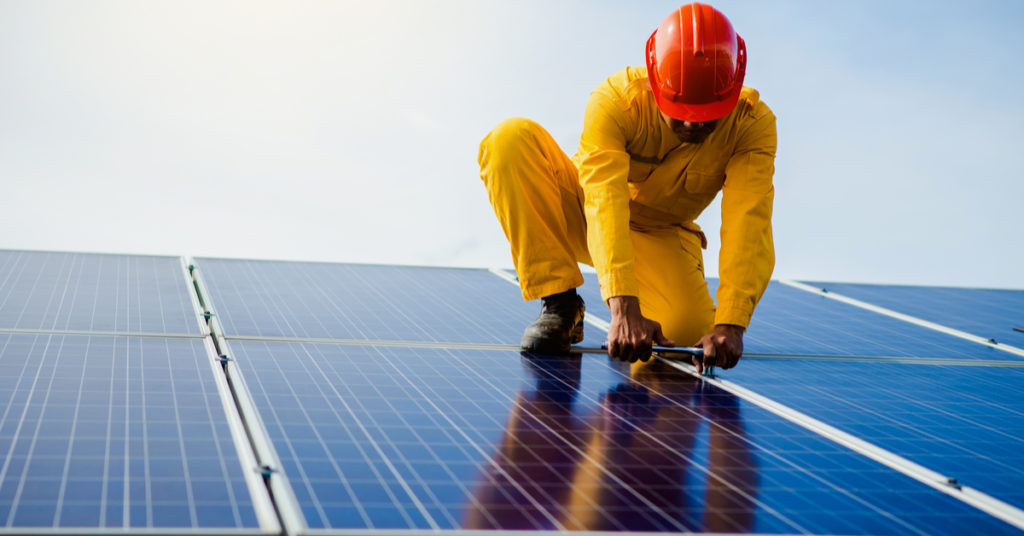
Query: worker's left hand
[[723, 347]]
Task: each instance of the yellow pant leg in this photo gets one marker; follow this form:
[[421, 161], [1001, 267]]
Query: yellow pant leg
[[534, 190], [673, 291]]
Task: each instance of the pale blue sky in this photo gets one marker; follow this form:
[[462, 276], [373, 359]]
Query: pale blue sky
[[348, 131]]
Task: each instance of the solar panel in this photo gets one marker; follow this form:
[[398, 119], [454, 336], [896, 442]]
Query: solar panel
[[962, 421], [112, 433], [987, 313], [95, 292], [792, 321], [379, 437], [366, 302]]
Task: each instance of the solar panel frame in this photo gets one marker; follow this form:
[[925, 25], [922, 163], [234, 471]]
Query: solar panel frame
[[290, 515], [251, 468]]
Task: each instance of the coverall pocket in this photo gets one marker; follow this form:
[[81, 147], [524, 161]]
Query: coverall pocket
[[699, 182]]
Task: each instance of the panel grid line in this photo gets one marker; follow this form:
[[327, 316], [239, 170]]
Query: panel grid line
[[21, 424], [71, 442], [305, 478], [924, 360], [384, 457], [64, 291], [189, 493], [105, 484], [3, 418]]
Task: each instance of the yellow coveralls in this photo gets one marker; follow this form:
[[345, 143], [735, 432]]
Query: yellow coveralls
[[626, 202]]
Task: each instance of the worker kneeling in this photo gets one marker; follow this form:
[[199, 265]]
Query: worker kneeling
[[658, 144]]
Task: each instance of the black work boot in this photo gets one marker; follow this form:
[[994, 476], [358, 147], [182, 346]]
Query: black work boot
[[559, 325]]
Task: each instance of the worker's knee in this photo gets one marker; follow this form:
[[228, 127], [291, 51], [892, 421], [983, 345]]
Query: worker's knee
[[685, 320], [509, 139], [686, 330]]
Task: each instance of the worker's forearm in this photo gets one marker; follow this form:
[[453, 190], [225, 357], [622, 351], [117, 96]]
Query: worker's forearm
[[747, 257], [621, 305]]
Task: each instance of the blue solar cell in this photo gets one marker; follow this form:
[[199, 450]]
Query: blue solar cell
[[793, 321], [91, 292], [115, 432], [964, 422], [353, 301], [986, 313], [431, 438]]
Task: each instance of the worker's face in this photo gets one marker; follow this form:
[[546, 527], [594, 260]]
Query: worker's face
[[690, 132]]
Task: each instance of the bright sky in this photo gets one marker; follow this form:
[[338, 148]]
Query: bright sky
[[348, 131]]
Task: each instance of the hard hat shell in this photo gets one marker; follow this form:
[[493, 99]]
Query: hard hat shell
[[696, 63]]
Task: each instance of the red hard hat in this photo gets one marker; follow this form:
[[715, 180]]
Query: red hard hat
[[696, 63]]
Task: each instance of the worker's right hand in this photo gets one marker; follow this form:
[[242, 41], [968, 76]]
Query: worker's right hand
[[631, 336]]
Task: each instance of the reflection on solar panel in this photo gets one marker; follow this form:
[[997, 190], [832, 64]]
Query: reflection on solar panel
[[377, 437], [96, 293], [333, 398]]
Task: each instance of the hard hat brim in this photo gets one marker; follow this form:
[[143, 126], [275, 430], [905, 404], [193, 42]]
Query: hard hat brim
[[695, 113]]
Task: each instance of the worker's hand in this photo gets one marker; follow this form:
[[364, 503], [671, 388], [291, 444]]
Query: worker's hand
[[631, 335], [723, 347]]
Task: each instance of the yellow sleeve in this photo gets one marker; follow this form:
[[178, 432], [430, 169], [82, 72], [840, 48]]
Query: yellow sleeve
[[603, 169], [747, 257]]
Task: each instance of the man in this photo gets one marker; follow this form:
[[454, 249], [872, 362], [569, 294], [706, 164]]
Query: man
[[658, 144]]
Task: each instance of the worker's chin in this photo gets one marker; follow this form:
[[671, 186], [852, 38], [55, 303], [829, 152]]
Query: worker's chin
[[697, 136]]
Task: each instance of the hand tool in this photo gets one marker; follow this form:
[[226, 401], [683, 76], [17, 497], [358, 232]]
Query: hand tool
[[665, 351]]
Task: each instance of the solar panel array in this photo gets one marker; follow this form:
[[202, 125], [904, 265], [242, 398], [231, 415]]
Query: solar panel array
[[377, 399]]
